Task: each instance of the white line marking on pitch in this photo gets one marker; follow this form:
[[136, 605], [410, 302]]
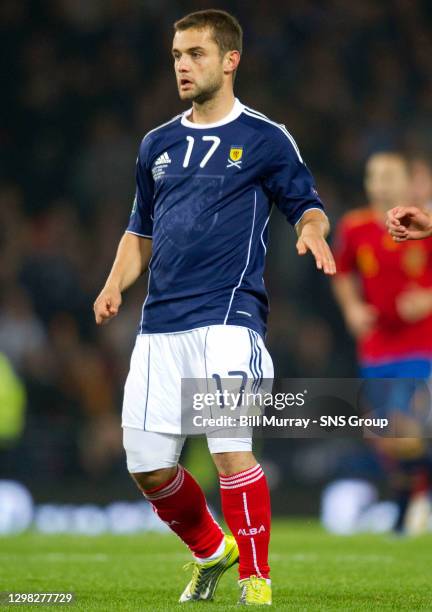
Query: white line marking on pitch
[[54, 557], [311, 558], [99, 557], [65, 557]]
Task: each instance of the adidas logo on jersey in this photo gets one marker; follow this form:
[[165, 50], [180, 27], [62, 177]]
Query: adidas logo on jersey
[[163, 159]]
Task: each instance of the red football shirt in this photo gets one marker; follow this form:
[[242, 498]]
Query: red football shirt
[[385, 269]]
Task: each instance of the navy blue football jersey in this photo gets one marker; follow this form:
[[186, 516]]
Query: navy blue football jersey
[[204, 195]]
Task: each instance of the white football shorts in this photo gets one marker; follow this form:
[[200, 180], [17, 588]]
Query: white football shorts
[[159, 362], [147, 451], [152, 395]]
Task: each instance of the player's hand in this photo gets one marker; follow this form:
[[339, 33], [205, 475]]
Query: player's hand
[[314, 242], [414, 305], [361, 318], [408, 223], [107, 305]]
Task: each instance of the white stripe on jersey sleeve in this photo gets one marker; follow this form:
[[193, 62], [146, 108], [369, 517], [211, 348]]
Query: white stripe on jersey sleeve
[[136, 234], [158, 127], [253, 113], [307, 210]]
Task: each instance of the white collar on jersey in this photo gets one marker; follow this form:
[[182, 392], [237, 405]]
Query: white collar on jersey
[[235, 112]]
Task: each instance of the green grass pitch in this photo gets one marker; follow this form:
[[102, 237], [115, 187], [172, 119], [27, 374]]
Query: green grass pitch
[[311, 570]]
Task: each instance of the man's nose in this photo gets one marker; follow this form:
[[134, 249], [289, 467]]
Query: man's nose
[[183, 65]]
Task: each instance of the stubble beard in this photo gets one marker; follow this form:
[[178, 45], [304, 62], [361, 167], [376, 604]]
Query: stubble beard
[[204, 95]]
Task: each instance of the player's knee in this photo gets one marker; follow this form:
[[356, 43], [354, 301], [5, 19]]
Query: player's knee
[[229, 463], [150, 480], [231, 455]]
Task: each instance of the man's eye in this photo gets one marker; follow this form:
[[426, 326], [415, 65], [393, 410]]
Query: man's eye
[[196, 54]]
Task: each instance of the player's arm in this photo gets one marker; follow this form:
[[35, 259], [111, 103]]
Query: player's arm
[[360, 317], [312, 231], [135, 248], [409, 223], [292, 188], [414, 304], [132, 259]]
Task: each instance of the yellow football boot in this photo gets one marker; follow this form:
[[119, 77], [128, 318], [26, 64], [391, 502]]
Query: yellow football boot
[[255, 592], [206, 576]]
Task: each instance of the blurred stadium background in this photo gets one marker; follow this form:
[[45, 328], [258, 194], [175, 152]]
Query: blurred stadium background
[[82, 82]]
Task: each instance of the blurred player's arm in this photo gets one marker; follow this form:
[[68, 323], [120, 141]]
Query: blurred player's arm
[[360, 317], [312, 231], [409, 223], [414, 304], [132, 260]]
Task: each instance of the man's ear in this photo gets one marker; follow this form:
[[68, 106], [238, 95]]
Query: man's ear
[[231, 61]]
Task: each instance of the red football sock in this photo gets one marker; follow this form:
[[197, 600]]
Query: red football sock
[[180, 503], [246, 508]]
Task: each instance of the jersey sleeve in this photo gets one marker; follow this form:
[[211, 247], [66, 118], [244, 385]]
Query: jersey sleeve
[[344, 249], [288, 179], [141, 218]]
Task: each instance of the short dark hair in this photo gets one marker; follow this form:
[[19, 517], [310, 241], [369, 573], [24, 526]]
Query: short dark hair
[[227, 31]]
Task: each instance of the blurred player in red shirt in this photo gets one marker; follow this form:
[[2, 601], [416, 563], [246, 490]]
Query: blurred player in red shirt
[[384, 289]]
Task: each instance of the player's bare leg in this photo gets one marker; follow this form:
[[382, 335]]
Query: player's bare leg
[[228, 464], [178, 500], [246, 508], [150, 480]]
